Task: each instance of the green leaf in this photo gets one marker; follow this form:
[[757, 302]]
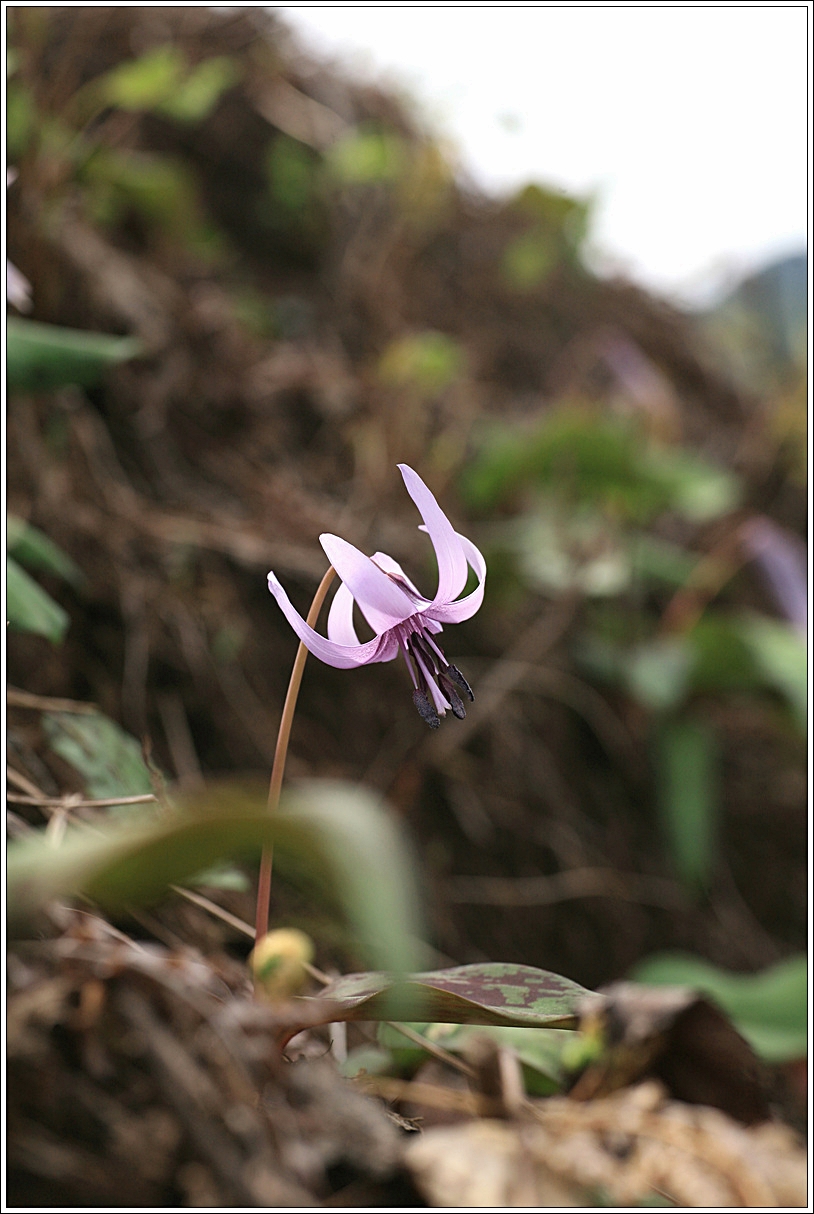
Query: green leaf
[[143, 83], [366, 156], [499, 993], [659, 561], [696, 489], [29, 608], [780, 654], [162, 80], [723, 660], [429, 361], [34, 549], [358, 847], [530, 258], [657, 673], [21, 120], [221, 876], [292, 173], [342, 834], [108, 759], [769, 1009], [565, 550], [582, 455], [42, 356], [686, 771], [197, 96], [368, 1060], [538, 1050]]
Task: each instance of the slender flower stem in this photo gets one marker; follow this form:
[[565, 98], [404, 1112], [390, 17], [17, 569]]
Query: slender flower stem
[[280, 753]]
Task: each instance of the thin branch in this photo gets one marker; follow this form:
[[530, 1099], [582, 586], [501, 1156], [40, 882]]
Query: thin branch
[[16, 698], [22, 782], [75, 801], [427, 1094], [430, 1047], [214, 909], [565, 886]]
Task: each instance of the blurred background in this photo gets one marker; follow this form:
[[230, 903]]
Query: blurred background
[[684, 127], [273, 279]]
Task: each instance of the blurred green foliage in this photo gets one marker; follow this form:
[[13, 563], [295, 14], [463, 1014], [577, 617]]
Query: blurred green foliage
[[538, 1050], [586, 492], [28, 607], [40, 356], [163, 81], [342, 834], [584, 455], [687, 770], [367, 155], [36, 551], [159, 189], [293, 173], [770, 1008], [428, 361], [556, 228], [723, 652], [109, 760]]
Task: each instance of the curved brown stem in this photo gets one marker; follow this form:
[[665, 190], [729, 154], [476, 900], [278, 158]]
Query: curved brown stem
[[281, 750]]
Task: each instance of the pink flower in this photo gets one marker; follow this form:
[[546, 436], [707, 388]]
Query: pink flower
[[401, 618]]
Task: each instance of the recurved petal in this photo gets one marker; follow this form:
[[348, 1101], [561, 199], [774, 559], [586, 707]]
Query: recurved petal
[[380, 600], [380, 649], [465, 608], [448, 550], [340, 618]]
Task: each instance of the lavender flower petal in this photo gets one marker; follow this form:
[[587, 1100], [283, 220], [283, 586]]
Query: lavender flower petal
[[344, 657], [381, 601], [448, 550], [340, 618], [465, 608]]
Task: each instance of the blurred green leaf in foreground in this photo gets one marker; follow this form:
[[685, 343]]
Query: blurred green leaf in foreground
[[342, 835]]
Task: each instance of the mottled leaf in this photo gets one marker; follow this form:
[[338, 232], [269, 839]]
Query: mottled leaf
[[108, 759], [499, 993]]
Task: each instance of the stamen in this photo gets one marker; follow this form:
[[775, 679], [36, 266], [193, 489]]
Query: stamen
[[425, 709], [453, 697], [436, 681], [452, 672]]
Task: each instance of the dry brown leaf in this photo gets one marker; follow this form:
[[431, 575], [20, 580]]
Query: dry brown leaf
[[621, 1149]]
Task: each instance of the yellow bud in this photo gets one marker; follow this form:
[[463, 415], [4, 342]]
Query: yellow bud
[[278, 962]]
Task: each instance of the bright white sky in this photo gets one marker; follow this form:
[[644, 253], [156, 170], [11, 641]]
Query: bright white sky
[[686, 123]]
